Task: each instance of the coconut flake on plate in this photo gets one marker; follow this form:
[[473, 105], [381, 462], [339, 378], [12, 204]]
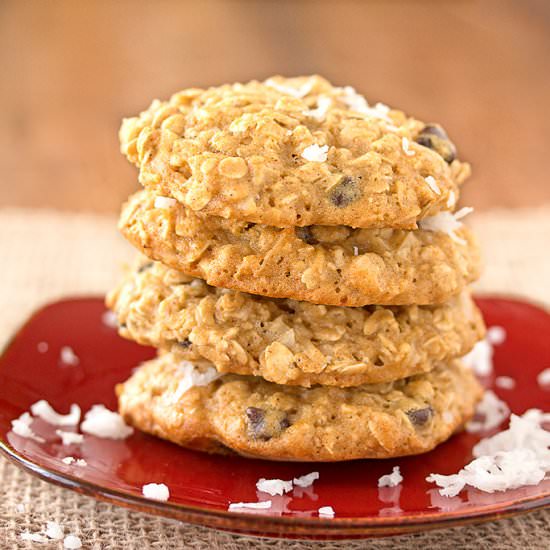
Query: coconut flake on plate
[[22, 427], [391, 480], [68, 356], [42, 347], [543, 379], [326, 512], [70, 438], [496, 335], [240, 506], [315, 153], [109, 319], [102, 422], [72, 460], [156, 491], [164, 202], [45, 411], [192, 376], [510, 459], [505, 382], [490, 412], [274, 486], [306, 480]]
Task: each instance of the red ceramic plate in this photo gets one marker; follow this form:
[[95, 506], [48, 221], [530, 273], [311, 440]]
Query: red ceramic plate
[[202, 486]]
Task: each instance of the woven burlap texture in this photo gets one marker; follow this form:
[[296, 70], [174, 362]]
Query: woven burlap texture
[[47, 255]]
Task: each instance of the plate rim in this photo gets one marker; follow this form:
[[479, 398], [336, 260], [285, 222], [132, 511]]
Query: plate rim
[[259, 525]]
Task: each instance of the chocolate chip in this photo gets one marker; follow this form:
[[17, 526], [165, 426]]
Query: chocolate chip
[[256, 423], [345, 192], [264, 424], [249, 225], [185, 344], [144, 267], [306, 234], [419, 417], [434, 137]]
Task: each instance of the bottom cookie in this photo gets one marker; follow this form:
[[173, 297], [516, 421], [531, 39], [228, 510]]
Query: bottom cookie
[[193, 406]]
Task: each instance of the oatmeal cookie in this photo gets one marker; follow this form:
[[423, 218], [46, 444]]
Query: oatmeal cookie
[[332, 265], [294, 152], [256, 418], [286, 341]]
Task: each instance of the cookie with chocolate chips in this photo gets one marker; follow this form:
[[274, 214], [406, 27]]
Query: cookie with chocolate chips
[[252, 417], [293, 152], [287, 341], [332, 265]]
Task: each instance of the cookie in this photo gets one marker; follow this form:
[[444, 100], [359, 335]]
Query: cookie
[[286, 341], [332, 265], [294, 152], [256, 418]]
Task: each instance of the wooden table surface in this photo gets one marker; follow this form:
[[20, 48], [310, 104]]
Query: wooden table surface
[[72, 69]]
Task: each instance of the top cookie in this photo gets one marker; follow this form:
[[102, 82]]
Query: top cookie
[[295, 151]]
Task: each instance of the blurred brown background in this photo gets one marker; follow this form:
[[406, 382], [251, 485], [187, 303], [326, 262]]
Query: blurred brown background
[[72, 69]]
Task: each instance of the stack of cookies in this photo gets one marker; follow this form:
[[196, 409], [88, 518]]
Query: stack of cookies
[[303, 275]]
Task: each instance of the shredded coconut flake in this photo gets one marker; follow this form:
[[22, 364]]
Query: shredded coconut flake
[[164, 202], [192, 376], [315, 153], [68, 356], [109, 319], [496, 335], [72, 542], [448, 417], [297, 92], [33, 537], [306, 480], [326, 512], [274, 486], [490, 412], [405, 145], [356, 251], [505, 382], [44, 410], [451, 199], [480, 358], [54, 531], [22, 427], [356, 102], [239, 506], [432, 184], [72, 460], [156, 491], [510, 459], [102, 422], [446, 222], [391, 480], [543, 379], [320, 112], [42, 347], [70, 438]]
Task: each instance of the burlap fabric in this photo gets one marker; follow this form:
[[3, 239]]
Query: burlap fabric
[[46, 255]]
